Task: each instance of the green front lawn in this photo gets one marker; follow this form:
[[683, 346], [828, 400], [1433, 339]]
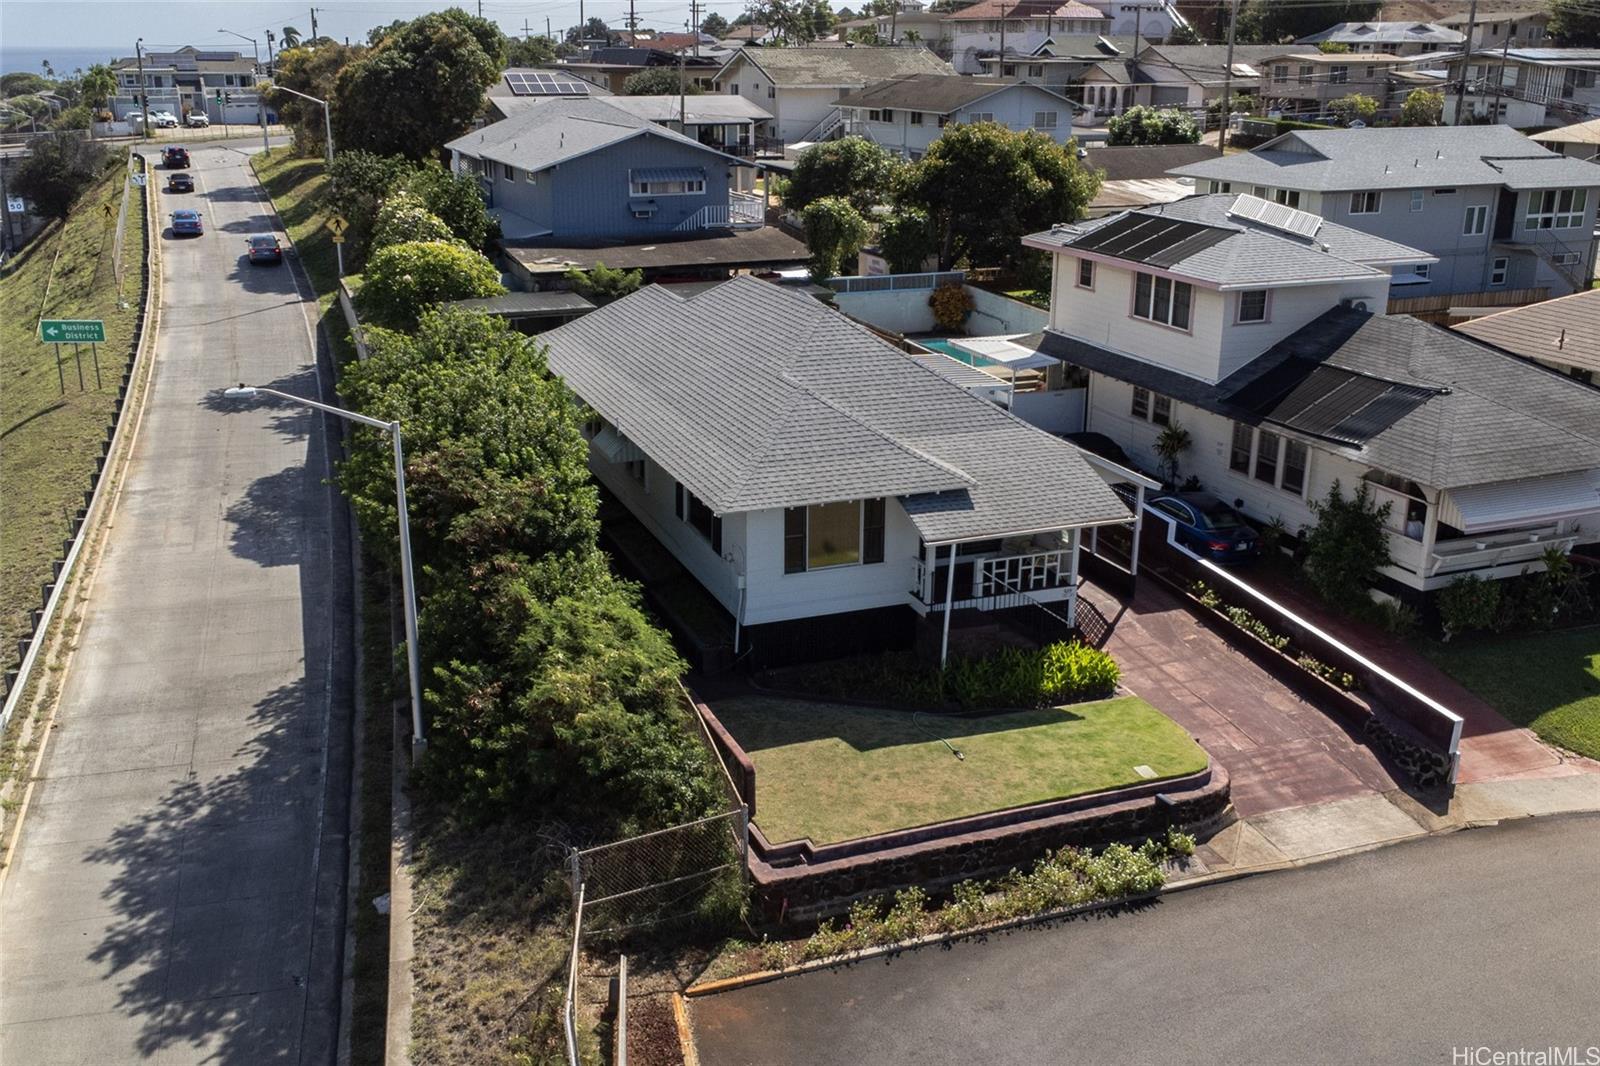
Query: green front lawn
[[832, 772], [1549, 682]]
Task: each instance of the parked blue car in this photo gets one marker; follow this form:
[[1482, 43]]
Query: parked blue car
[[187, 221], [1210, 528]]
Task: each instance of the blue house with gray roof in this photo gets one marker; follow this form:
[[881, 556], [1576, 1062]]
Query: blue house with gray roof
[[1498, 212]]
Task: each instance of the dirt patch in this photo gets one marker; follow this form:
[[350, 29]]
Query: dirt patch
[[653, 1032]]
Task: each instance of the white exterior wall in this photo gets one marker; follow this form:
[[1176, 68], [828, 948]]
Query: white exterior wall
[[1287, 310], [794, 110], [774, 596], [1014, 109]]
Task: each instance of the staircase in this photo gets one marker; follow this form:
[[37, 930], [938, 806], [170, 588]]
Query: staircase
[[1569, 261], [824, 129]]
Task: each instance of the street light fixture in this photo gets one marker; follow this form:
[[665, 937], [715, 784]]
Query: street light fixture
[[253, 46], [327, 128], [407, 585]]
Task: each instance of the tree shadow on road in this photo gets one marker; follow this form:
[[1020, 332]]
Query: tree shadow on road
[[291, 420]]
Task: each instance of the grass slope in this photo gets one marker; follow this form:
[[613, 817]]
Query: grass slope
[[1549, 682], [49, 439], [297, 185], [833, 772]]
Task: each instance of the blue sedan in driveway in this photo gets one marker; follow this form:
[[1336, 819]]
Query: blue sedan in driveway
[[187, 222], [1208, 527]]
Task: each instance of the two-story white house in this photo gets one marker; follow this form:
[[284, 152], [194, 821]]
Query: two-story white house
[[1000, 28], [1258, 328], [1523, 87], [907, 114], [219, 84], [1499, 212], [816, 481], [1393, 38]]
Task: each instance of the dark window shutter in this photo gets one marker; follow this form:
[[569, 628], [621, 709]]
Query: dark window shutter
[[677, 499], [872, 523], [794, 540]]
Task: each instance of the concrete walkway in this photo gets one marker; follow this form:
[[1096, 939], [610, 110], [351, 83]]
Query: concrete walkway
[[176, 895]]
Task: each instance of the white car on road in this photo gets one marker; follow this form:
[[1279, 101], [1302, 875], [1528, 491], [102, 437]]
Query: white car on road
[[164, 120], [198, 120]]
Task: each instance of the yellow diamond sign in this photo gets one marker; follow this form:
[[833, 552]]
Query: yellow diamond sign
[[338, 225]]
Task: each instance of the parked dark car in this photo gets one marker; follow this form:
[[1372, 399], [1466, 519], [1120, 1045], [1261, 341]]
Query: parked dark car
[[180, 182], [1101, 445], [263, 248], [1210, 528], [187, 222], [175, 157]]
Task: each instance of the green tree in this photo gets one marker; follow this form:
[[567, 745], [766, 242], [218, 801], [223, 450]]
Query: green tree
[[659, 81], [1333, 48], [529, 52], [1270, 22], [291, 37], [73, 118], [907, 238], [593, 30], [98, 86], [715, 25], [1353, 106], [403, 280], [986, 187], [454, 198], [1347, 546], [835, 233], [1142, 124], [314, 71], [22, 83], [1422, 107], [420, 86], [360, 181], [603, 284], [55, 172], [404, 218], [852, 167], [1574, 23]]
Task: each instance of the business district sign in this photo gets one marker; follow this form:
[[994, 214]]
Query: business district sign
[[72, 331]]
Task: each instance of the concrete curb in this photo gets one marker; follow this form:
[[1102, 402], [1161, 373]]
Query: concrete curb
[[680, 1016]]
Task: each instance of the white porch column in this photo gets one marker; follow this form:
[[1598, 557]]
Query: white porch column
[[1138, 528], [949, 598], [1072, 576], [1430, 530], [930, 559]]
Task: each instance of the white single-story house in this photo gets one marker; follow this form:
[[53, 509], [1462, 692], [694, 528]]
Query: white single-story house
[[815, 480], [1258, 328], [906, 114]]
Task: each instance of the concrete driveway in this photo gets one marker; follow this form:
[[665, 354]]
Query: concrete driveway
[[1476, 939], [178, 890]]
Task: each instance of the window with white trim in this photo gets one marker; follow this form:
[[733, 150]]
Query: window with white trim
[[1339, 74], [508, 171], [1499, 268], [1045, 120], [980, 116], [1476, 221], [1141, 404], [1367, 202], [827, 535], [1239, 448], [1306, 71], [1086, 273], [1267, 445], [1035, 70], [1416, 199], [1556, 208], [1293, 477], [1161, 410], [1253, 305], [1280, 72], [1287, 197], [1162, 300], [916, 118], [698, 515], [689, 187], [1259, 192], [1423, 270]]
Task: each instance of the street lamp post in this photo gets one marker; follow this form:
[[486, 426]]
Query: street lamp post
[[253, 46], [327, 128], [407, 584]]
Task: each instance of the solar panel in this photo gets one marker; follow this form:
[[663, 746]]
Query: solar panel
[[1330, 402], [543, 83], [1275, 216], [1152, 239]]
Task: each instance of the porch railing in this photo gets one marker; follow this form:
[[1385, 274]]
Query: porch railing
[[1464, 554], [997, 583], [738, 211], [896, 282]]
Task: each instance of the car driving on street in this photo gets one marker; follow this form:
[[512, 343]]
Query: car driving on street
[[264, 248], [175, 156], [180, 182], [187, 222]]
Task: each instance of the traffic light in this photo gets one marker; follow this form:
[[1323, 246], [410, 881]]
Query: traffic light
[[219, 96], [227, 98]]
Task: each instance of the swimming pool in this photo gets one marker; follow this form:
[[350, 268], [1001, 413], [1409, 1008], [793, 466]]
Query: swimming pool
[[943, 346]]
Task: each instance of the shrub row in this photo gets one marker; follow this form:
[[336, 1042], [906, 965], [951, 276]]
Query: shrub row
[[1260, 630], [1560, 594], [1066, 878]]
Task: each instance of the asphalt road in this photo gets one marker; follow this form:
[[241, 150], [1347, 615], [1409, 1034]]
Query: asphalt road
[[1485, 938], [178, 889]]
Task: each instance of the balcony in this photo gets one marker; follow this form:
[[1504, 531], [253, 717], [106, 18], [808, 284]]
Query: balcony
[[742, 211], [990, 581], [1471, 554]]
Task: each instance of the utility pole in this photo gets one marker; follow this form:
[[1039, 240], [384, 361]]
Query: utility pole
[[1138, 43], [1500, 77], [271, 63], [1002, 69], [694, 24], [633, 19], [313, 24], [551, 37], [1227, 82], [144, 93], [1461, 84]]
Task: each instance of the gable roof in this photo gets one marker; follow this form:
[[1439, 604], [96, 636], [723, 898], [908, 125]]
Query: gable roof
[[801, 405], [537, 138], [1206, 62], [838, 68], [984, 10], [941, 94], [1220, 242], [1386, 32], [1565, 330], [1133, 162], [1405, 396], [1398, 158], [1577, 133]]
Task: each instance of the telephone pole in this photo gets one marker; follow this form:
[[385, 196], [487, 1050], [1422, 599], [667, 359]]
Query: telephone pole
[[633, 19], [694, 24], [144, 94], [313, 24], [1461, 84], [1227, 82]]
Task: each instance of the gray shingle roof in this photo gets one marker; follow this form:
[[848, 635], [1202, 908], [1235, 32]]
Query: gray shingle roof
[[1397, 158], [755, 396], [1500, 420], [940, 94], [536, 138], [1386, 33], [1131, 162], [1565, 330], [1204, 62], [1253, 255], [843, 68]]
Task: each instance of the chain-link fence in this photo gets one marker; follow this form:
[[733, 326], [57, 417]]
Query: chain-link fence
[[660, 876]]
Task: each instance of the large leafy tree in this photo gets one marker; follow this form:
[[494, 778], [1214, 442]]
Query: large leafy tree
[[1270, 22], [359, 183], [314, 71], [835, 232], [403, 280], [1422, 107], [1148, 125], [907, 238], [1575, 23], [529, 52], [420, 86], [98, 85], [453, 197], [659, 81], [23, 83], [55, 172], [714, 24], [853, 167], [984, 187]]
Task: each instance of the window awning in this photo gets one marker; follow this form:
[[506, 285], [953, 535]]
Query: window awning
[[668, 174], [615, 447], [1509, 504]]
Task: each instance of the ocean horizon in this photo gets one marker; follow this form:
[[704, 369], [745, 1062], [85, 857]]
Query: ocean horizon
[[64, 60]]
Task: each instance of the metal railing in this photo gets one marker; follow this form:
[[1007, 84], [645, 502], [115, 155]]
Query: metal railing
[[823, 129], [896, 282], [1553, 250], [569, 1009], [738, 211]]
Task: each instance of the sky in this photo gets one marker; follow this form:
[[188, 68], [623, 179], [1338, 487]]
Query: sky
[[34, 25]]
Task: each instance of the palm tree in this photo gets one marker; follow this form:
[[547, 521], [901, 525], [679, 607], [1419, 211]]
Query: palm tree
[[291, 37], [98, 85]]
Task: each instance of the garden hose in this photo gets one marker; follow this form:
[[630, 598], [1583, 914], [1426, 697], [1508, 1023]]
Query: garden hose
[[953, 750]]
